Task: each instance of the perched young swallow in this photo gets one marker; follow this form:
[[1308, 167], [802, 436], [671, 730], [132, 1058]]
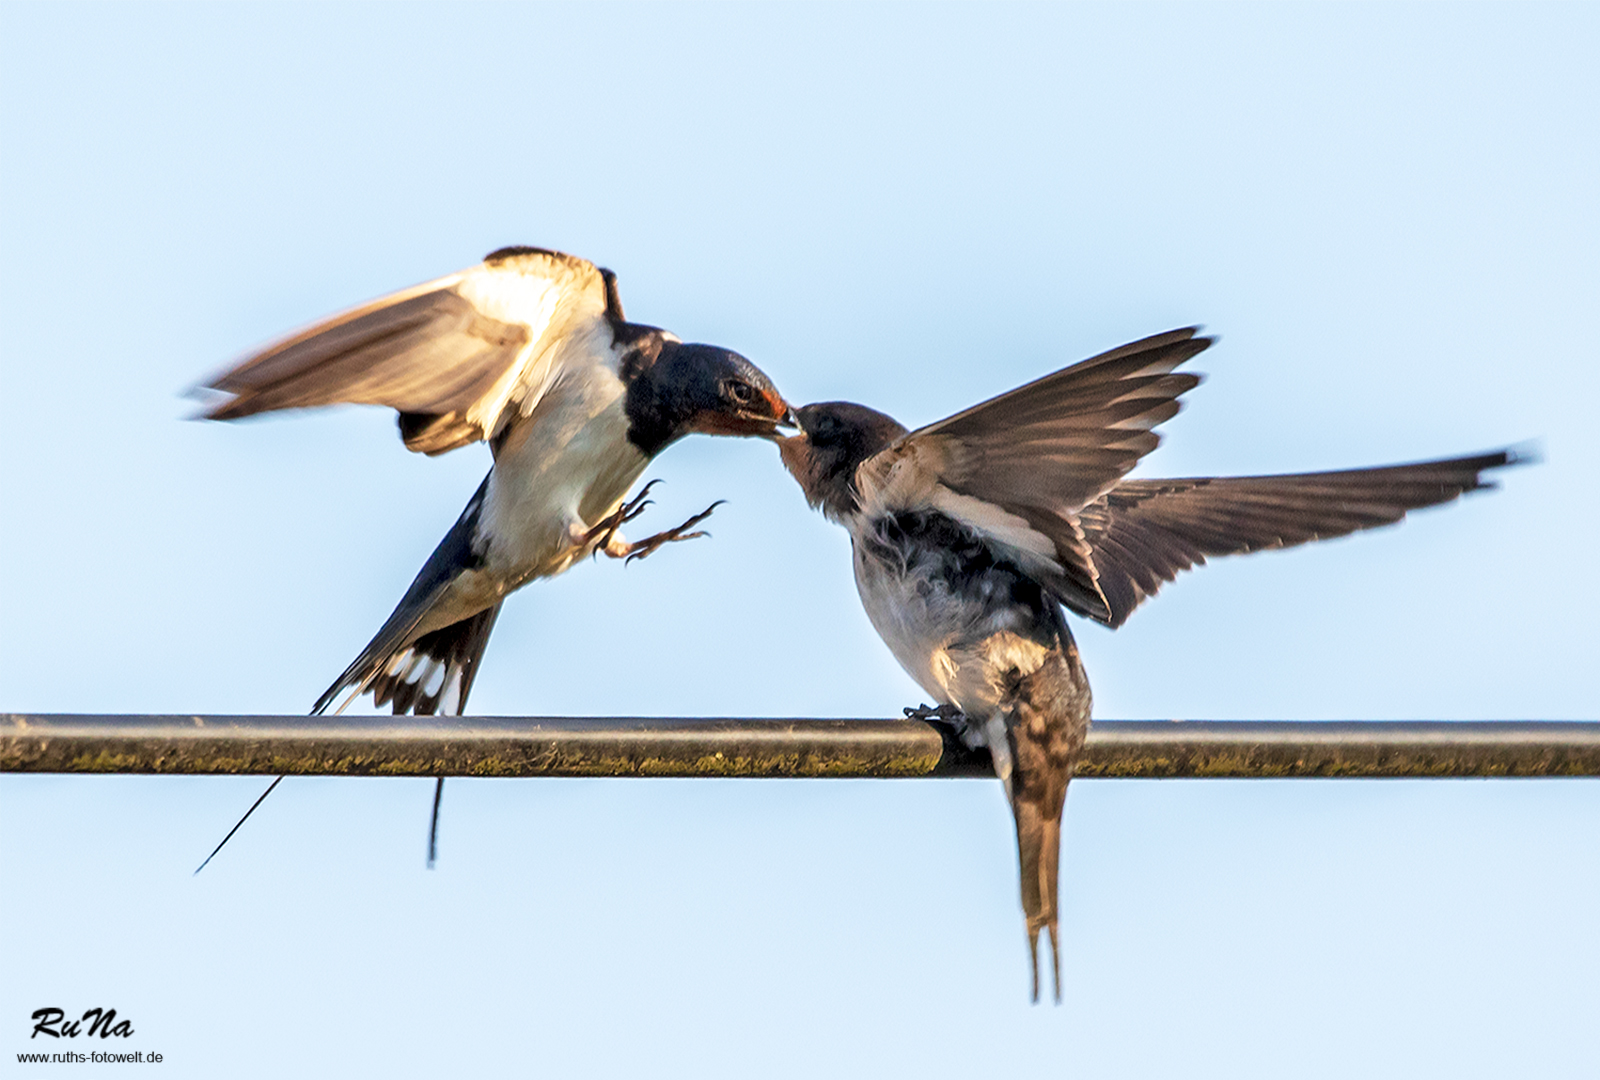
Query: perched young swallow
[[528, 351], [972, 534]]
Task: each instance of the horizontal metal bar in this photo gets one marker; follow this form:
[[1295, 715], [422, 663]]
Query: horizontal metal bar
[[597, 746]]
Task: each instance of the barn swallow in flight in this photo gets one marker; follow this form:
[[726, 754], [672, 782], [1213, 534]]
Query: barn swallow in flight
[[527, 351], [972, 534]]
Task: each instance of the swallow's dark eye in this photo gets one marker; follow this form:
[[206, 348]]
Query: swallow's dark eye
[[740, 393]]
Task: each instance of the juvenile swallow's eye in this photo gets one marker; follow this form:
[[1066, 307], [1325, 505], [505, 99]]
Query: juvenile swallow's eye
[[740, 393]]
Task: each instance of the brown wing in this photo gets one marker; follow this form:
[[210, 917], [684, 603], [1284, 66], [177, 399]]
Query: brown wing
[[1143, 533], [454, 356], [1018, 468]]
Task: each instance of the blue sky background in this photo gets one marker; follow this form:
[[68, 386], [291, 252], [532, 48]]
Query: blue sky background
[[1389, 215]]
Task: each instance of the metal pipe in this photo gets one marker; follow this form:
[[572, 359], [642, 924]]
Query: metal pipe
[[603, 746]]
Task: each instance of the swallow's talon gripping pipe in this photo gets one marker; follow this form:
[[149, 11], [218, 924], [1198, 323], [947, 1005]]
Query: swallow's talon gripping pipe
[[944, 715]]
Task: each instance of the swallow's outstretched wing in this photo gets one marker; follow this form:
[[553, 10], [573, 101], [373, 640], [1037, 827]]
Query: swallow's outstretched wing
[[456, 357], [1019, 469], [1143, 533]]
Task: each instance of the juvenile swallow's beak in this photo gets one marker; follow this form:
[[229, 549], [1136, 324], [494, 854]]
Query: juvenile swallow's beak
[[770, 422]]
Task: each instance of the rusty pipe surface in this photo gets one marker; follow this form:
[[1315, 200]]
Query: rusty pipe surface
[[632, 746]]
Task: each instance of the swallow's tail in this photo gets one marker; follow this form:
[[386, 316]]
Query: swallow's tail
[[421, 674], [429, 672], [1045, 732], [432, 674], [1039, 853]]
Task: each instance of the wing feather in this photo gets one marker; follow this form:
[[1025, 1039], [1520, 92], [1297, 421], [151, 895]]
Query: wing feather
[[1144, 533], [456, 356], [1032, 458]]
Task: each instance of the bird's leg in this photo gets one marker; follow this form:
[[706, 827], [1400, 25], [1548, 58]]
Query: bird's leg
[[640, 549], [604, 534], [957, 758]]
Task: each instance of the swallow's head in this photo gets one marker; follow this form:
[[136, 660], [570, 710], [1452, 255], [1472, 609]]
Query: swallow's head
[[835, 438], [703, 389]]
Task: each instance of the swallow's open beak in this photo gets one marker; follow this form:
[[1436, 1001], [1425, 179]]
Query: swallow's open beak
[[795, 446]]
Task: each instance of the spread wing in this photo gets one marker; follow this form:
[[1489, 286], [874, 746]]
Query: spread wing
[[456, 357], [1018, 469], [1143, 533]]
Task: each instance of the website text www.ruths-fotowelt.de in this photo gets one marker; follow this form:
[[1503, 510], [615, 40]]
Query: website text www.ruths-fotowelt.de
[[95, 1057]]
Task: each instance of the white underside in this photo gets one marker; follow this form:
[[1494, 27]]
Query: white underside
[[564, 468], [958, 651], [561, 469]]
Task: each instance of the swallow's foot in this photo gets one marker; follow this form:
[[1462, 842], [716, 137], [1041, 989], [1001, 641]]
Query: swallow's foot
[[958, 759], [617, 549], [604, 535], [947, 716]]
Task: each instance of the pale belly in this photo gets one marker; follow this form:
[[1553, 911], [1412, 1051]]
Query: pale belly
[[566, 468], [962, 645], [909, 622]]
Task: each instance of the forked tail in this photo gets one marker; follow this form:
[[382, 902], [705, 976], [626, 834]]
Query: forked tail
[[430, 675], [1039, 853], [1045, 728]]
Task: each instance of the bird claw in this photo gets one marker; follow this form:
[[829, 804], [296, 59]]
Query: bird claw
[[943, 715], [602, 535], [644, 548]]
